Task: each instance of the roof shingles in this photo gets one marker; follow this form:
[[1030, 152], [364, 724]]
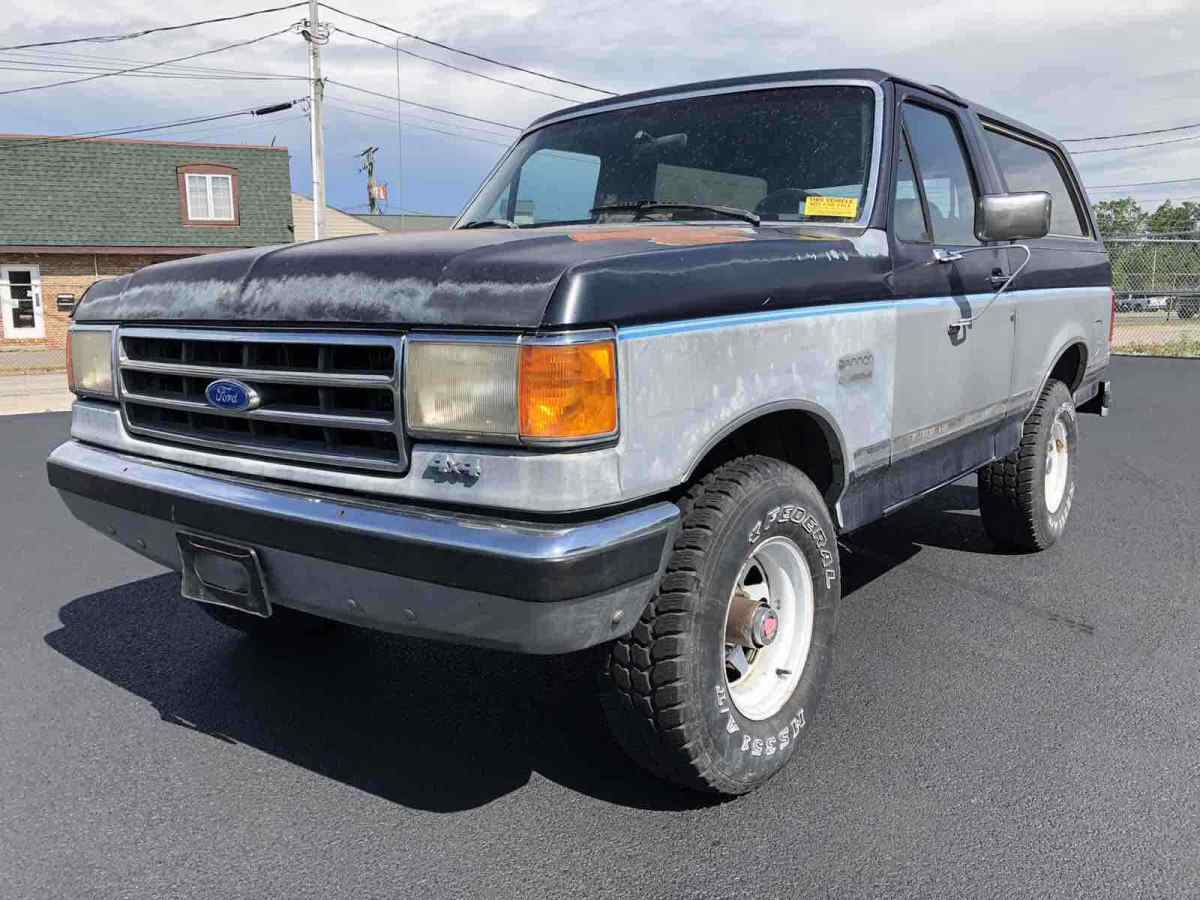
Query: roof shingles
[[126, 193]]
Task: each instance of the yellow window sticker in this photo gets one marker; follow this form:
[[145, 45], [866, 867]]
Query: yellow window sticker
[[841, 207]]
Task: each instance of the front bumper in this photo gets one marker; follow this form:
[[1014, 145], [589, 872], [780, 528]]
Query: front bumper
[[524, 586]]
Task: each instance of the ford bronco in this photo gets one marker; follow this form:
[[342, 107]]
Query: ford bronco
[[677, 344]]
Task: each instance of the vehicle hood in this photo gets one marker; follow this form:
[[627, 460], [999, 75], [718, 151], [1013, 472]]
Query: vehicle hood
[[493, 278]]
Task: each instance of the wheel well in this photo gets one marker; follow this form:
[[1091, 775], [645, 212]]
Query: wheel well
[[1070, 366], [800, 438]]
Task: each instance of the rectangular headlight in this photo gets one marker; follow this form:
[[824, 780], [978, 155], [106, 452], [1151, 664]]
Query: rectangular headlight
[[461, 388], [89, 361], [556, 390]]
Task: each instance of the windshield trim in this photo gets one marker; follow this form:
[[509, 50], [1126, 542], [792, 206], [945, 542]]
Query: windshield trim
[[876, 137]]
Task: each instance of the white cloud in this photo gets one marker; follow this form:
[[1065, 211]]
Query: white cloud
[[1070, 67]]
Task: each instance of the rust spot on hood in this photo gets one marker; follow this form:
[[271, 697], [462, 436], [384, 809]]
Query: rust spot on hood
[[667, 236]]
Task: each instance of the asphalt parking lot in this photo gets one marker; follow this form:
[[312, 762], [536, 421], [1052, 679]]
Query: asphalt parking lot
[[998, 725]]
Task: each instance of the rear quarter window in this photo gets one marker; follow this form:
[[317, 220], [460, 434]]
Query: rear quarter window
[[1027, 166]]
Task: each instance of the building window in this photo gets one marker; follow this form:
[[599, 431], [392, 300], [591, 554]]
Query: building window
[[208, 194]]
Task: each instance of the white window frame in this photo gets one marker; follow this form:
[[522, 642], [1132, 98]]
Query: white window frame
[[208, 197]]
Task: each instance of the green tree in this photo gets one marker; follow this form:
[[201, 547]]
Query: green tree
[[1172, 219], [1119, 217]]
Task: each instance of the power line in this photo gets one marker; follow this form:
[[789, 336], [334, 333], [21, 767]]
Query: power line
[[1160, 199], [438, 62], [207, 134], [487, 59], [391, 115], [408, 117], [1106, 137], [109, 38], [391, 121], [7, 67], [1136, 146], [151, 65], [1113, 187], [448, 112], [161, 126], [59, 61], [67, 57]]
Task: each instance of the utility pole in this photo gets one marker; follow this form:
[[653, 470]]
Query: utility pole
[[368, 166], [399, 142], [316, 36]]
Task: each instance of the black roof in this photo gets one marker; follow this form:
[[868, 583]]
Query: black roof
[[875, 75]]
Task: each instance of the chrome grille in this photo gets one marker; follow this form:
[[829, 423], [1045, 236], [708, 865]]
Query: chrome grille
[[326, 399]]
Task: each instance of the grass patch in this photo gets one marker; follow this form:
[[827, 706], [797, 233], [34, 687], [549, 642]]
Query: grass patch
[[1179, 347]]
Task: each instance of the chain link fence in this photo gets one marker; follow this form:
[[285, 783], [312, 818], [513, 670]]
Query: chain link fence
[[1157, 285]]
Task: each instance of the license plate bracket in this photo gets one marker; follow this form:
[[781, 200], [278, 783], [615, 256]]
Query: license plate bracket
[[224, 574]]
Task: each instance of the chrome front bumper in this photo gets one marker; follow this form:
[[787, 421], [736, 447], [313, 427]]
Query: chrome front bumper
[[533, 587]]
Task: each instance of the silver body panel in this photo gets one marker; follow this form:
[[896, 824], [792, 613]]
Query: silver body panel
[[683, 385], [691, 382], [947, 382]]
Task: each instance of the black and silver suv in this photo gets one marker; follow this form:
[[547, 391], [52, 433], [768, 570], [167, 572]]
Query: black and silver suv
[[677, 344]]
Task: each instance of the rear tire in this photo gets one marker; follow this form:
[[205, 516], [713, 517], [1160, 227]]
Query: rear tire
[[678, 697], [1025, 498], [282, 625]]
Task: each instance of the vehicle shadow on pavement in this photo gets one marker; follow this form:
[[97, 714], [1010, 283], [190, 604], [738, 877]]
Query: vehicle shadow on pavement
[[947, 518], [431, 726]]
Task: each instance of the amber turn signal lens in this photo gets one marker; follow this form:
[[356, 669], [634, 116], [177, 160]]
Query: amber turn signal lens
[[568, 391]]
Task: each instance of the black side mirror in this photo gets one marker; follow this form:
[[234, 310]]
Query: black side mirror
[[1012, 217]]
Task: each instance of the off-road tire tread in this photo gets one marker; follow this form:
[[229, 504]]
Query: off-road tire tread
[[1007, 486], [644, 675]]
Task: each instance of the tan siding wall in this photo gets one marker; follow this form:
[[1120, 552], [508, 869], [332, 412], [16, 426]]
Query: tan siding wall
[[68, 273], [337, 223]]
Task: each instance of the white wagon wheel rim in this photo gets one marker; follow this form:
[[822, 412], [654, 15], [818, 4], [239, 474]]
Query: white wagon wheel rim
[[761, 679], [1058, 462]]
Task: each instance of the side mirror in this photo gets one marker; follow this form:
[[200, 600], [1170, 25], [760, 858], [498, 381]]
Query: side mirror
[[1012, 217]]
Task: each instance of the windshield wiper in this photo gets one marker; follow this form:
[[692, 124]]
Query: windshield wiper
[[491, 223], [638, 207]]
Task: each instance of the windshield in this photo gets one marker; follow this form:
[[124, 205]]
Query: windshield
[[800, 154]]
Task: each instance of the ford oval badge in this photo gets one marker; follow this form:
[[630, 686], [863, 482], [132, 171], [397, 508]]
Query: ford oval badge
[[231, 395]]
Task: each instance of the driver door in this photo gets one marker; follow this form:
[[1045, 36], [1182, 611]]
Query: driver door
[[951, 386]]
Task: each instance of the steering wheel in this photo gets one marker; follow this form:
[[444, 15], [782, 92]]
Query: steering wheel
[[788, 201]]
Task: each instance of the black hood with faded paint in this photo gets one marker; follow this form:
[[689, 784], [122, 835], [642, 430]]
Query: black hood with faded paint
[[503, 278]]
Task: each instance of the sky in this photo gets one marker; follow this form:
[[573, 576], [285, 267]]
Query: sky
[[1068, 67]]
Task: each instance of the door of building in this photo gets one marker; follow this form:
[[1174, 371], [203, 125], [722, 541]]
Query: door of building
[[21, 302]]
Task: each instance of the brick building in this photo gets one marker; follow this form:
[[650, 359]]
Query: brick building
[[75, 211]]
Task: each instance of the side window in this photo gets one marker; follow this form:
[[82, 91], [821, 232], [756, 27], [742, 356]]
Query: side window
[[1028, 167], [908, 218], [945, 174], [499, 209], [557, 186]]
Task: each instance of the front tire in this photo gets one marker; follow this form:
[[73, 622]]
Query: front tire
[[1025, 498], [686, 700]]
